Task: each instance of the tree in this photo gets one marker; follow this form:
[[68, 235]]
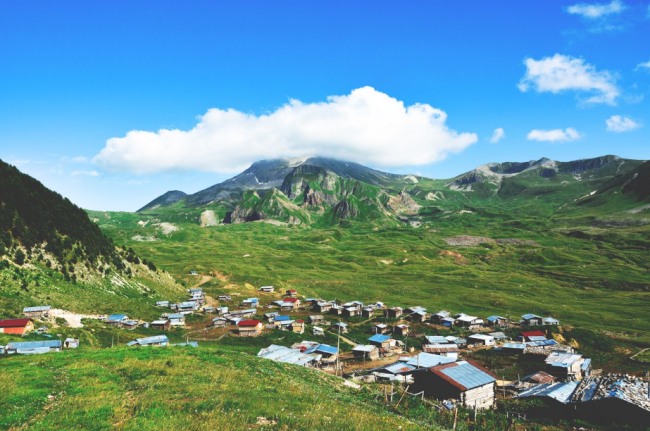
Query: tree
[[19, 257]]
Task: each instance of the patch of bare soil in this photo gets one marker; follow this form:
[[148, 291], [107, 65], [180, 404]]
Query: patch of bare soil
[[473, 241], [459, 259]]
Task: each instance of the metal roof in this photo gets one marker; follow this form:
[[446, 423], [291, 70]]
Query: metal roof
[[562, 359], [585, 364], [440, 348], [493, 318], [498, 335], [541, 343], [428, 360], [558, 391], [436, 339], [530, 316], [466, 375], [363, 348], [116, 317], [551, 320], [149, 340], [537, 338], [518, 346], [324, 348], [288, 355], [159, 322], [483, 337], [467, 318], [379, 338], [282, 318], [176, 316], [398, 367], [14, 323], [50, 344], [36, 309]]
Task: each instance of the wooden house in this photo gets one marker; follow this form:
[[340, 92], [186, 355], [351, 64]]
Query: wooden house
[[315, 319], [469, 322], [401, 330], [480, 340], [224, 297], [249, 328], [564, 365], [322, 307], [437, 318], [291, 293], [298, 326], [161, 325], [177, 319], [318, 330], [382, 341], [470, 384], [367, 312], [550, 321], [219, 322], [448, 350], [250, 302], [116, 320], [531, 320], [336, 310], [351, 311], [418, 316], [343, 327], [497, 321], [156, 340], [267, 289], [270, 317], [16, 326], [393, 313], [130, 324], [379, 328], [370, 352], [37, 312]]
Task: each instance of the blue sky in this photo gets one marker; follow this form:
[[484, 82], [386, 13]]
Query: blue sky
[[75, 75]]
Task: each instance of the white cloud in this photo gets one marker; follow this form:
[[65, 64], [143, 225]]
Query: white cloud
[[79, 159], [596, 10], [645, 65], [618, 123], [366, 126], [85, 173], [562, 73], [555, 135], [497, 135]]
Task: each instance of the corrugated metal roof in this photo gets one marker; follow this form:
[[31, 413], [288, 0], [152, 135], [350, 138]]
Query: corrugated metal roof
[[288, 355], [493, 318], [483, 337], [282, 318], [363, 348], [36, 309], [324, 348], [176, 316], [498, 335], [467, 375], [558, 391], [428, 360], [517, 346], [149, 340], [562, 359], [537, 338], [379, 338], [14, 323], [436, 339], [530, 316], [398, 367], [50, 344], [116, 317]]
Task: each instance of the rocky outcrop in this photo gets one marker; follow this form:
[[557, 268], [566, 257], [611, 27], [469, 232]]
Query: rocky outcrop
[[403, 203]]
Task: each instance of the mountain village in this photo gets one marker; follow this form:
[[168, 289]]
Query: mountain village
[[406, 351]]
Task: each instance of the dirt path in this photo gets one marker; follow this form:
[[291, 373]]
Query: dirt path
[[73, 319], [209, 301]]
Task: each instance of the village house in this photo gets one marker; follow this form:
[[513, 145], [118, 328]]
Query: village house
[[499, 336], [311, 301], [161, 325], [298, 326], [130, 324], [336, 310], [418, 316], [470, 322], [322, 307], [156, 340], [367, 312], [565, 366], [291, 293], [393, 313], [317, 330], [37, 312], [448, 322], [340, 326], [428, 360], [539, 378], [290, 304], [177, 319], [436, 318], [379, 328], [315, 319], [328, 353], [162, 304], [116, 320], [497, 321], [531, 320], [382, 341], [221, 310], [480, 340], [436, 339], [279, 321], [370, 352], [473, 386], [33, 347], [16, 326], [550, 321], [249, 328], [71, 343], [233, 320], [270, 317], [224, 297], [357, 304], [415, 309], [219, 322], [267, 289], [402, 330], [351, 311], [187, 307], [447, 350], [208, 310], [244, 314], [250, 302]]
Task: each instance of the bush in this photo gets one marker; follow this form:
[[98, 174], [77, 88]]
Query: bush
[[19, 257]]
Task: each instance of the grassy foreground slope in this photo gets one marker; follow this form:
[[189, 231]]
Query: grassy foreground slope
[[180, 388]]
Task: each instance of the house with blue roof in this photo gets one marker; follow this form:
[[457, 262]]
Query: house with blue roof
[[473, 386], [116, 319], [531, 320]]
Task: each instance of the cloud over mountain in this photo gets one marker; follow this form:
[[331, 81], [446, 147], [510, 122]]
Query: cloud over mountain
[[366, 126], [555, 135], [562, 73]]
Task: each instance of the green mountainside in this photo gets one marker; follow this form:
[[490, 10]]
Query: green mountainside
[[52, 253]]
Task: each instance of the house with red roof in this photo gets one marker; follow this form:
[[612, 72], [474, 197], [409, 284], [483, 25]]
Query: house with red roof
[[16, 326], [291, 293], [249, 328], [532, 336], [298, 326]]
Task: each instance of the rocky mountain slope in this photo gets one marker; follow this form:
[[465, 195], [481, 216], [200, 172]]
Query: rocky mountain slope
[[321, 190]]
